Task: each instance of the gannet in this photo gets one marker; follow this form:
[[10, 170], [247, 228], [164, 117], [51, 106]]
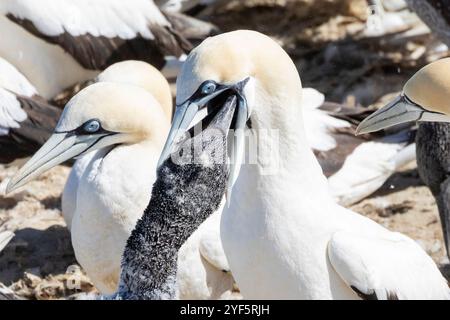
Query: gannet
[[355, 167], [424, 99], [202, 269], [283, 234], [58, 43], [26, 119], [184, 195]]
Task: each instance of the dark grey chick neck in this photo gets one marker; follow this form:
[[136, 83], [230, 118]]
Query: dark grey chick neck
[[433, 164], [183, 197]]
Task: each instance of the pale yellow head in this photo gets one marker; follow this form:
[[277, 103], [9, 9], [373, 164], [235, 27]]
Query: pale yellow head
[[232, 57], [250, 67], [121, 108], [430, 87], [143, 75], [103, 115]]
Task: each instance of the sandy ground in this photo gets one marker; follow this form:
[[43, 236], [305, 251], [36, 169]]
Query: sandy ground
[[39, 261], [327, 42]]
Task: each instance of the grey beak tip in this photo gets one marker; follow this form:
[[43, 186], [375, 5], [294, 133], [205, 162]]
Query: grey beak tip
[[9, 188], [359, 131]]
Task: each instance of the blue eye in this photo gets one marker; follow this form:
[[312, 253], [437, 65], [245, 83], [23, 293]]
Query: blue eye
[[208, 88], [91, 126]]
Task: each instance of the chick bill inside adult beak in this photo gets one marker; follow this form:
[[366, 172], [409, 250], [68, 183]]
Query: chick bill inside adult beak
[[186, 112], [399, 111], [58, 148]]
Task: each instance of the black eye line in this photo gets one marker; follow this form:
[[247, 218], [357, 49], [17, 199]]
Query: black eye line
[[198, 93], [80, 131]]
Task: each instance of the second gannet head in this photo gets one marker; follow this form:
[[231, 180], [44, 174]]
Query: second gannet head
[[243, 63], [425, 97], [102, 115], [144, 75]]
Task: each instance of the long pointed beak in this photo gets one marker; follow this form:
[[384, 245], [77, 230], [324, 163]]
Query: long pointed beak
[[182, 121], [59, 148], [399, 111], [238, 145], [182, 118]]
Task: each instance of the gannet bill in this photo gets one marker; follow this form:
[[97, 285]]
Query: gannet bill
[[183, 197], [283, 234], [355, 167], [26, 119], [424, 99], [58, 43]]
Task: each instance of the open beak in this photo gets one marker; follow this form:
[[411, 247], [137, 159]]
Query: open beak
[[399, 111], [59, 148], [182, 121], [187, 112]]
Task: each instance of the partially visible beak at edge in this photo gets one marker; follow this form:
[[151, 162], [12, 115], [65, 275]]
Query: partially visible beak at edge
[[399, 111]]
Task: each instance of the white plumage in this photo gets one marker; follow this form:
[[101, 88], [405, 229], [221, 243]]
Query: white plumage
[[12, 82], [319, 125], [373, 263], [368, 168], [108, 18]]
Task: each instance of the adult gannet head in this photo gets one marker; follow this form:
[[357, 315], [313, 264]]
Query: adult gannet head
[[425, 97], [235, 63], [99, 116], [144, 75]]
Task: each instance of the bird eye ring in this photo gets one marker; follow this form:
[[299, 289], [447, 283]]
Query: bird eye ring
[[208, 88], [92, 126]]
